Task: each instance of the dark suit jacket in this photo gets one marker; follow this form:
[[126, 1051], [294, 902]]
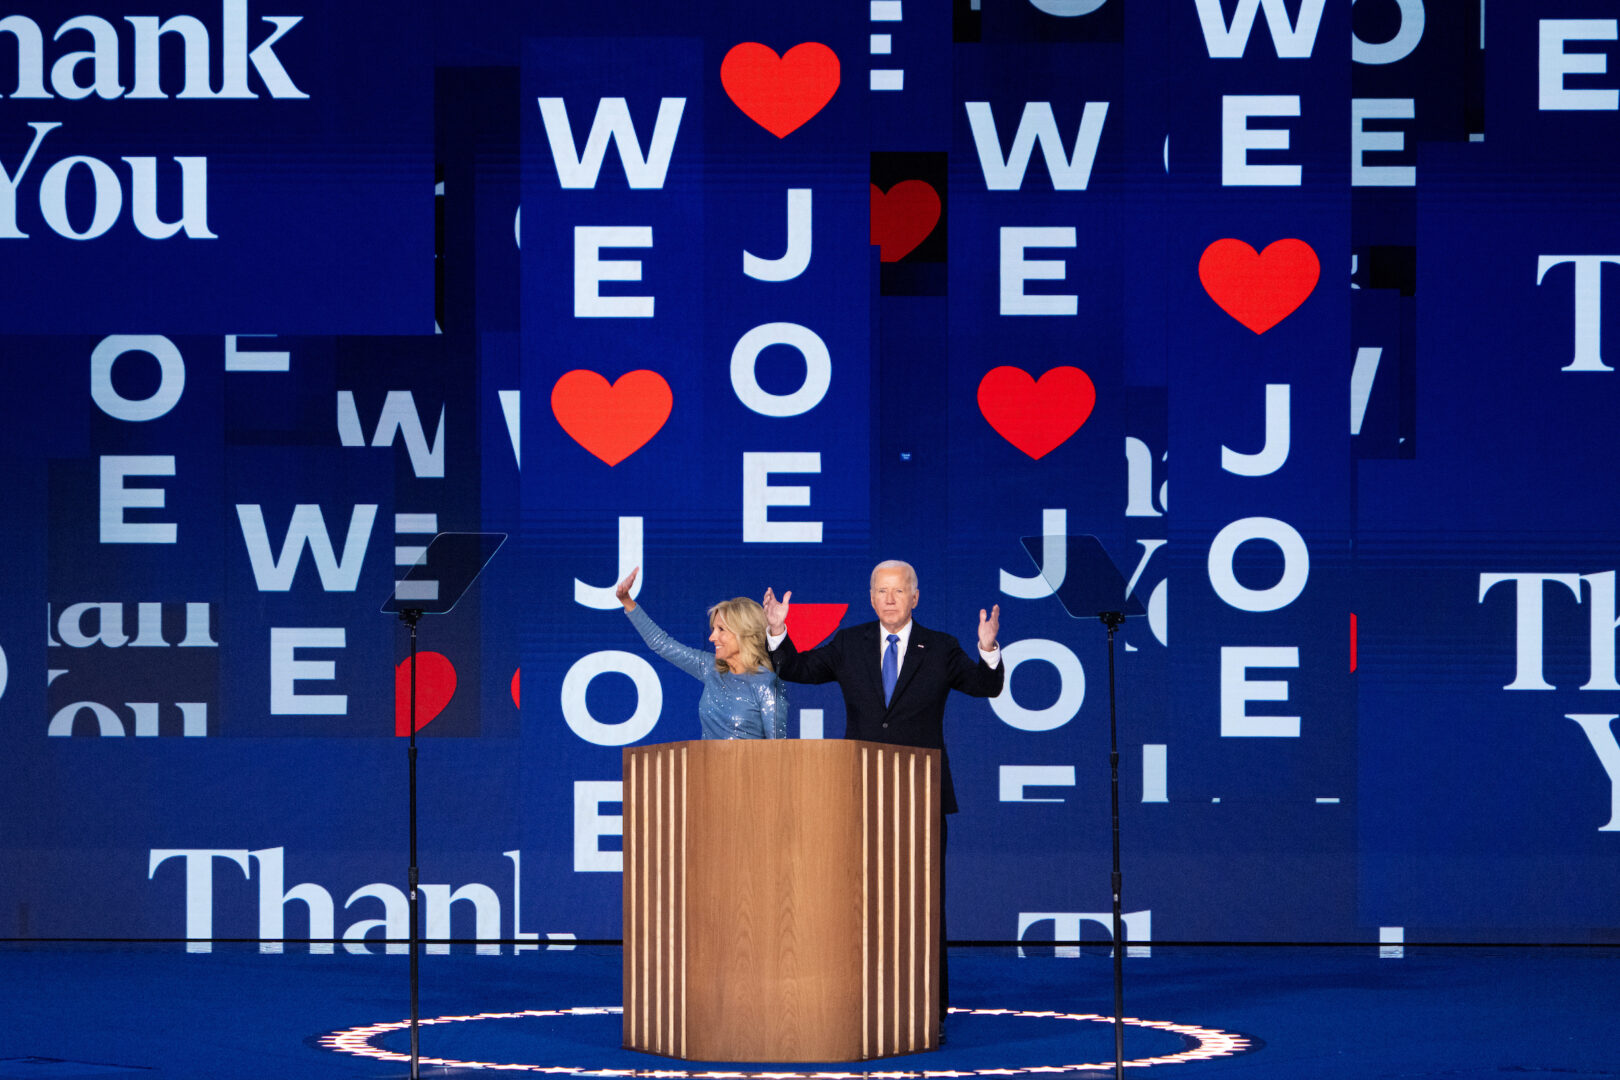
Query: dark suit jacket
[[934, 665]]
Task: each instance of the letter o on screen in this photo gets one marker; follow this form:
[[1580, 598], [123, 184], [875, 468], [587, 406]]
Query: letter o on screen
[[1069, 9], [171, 376], [817, 369], [1296, 564], [1071, 692], [649, 698], [107, 722], [1158, 612], [109, 200]]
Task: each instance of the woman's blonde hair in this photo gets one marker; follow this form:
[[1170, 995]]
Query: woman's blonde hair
[[746, 620]]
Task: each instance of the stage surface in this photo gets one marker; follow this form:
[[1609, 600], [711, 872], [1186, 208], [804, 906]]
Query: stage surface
[[1260, 1012]]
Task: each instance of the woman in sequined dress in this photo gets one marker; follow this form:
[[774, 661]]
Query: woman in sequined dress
[[742, 697]]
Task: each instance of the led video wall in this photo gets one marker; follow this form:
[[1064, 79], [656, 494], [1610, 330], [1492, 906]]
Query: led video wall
[[754, 296]]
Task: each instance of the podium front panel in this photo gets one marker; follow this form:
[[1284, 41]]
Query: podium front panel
[[781, 900]]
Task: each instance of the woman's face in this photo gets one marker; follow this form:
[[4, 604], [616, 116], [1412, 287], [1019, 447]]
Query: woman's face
[[725, 644]]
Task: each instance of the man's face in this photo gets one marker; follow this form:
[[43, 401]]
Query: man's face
[[893, 598]]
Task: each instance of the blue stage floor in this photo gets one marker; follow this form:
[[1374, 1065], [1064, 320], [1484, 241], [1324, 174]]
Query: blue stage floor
[[1323, 1013]]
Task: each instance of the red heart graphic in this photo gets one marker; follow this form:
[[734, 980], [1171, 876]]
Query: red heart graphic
[[435, 686], [903, 218], [1259, 289], [615, 421], [780, 93], [809, 624], [1037, 416], [517, 688]]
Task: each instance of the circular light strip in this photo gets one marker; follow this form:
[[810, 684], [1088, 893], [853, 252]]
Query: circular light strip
[[1210, 1043]]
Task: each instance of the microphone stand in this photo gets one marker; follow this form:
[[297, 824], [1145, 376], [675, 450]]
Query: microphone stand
[[409, 617], [442, 574], [1113, 620], [1086, 582]]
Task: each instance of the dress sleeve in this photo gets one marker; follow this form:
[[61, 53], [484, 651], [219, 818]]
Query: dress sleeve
[[773, 707], [692, 661]]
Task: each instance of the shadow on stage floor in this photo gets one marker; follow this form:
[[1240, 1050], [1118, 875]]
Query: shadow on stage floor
[[1263, 1013]]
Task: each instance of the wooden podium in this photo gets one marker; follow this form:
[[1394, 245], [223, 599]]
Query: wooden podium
[[781, 900]]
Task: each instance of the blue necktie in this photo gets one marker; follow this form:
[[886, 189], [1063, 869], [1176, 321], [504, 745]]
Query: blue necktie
[[891, 667]]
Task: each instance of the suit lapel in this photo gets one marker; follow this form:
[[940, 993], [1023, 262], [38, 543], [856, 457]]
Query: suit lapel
[[871, 665]]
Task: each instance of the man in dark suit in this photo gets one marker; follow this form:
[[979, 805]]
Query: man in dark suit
[[895, 677]]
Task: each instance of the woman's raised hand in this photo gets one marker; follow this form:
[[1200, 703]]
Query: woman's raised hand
[[623, 591]]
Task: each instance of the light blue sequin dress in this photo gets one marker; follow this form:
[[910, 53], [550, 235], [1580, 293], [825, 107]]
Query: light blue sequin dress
[[750, 706]]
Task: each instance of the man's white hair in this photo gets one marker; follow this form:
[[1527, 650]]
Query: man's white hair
[[893, 564]]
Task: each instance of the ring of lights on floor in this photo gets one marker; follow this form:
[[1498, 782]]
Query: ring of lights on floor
[[1208, 1043]]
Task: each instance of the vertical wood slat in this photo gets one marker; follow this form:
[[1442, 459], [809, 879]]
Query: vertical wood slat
[[900, 935], [911, 906], [632, 910], [933, 937], [660, 999], [866, 901], [646, 845], [882, 960], [654, 899], [898, 862], [872, 913], [685, 877]]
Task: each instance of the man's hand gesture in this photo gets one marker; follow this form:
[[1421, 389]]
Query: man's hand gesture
[[776, 612], [989, 627]]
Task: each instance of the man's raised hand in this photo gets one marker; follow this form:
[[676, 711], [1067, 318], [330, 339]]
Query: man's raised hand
[[989, 627], [776, 612]]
